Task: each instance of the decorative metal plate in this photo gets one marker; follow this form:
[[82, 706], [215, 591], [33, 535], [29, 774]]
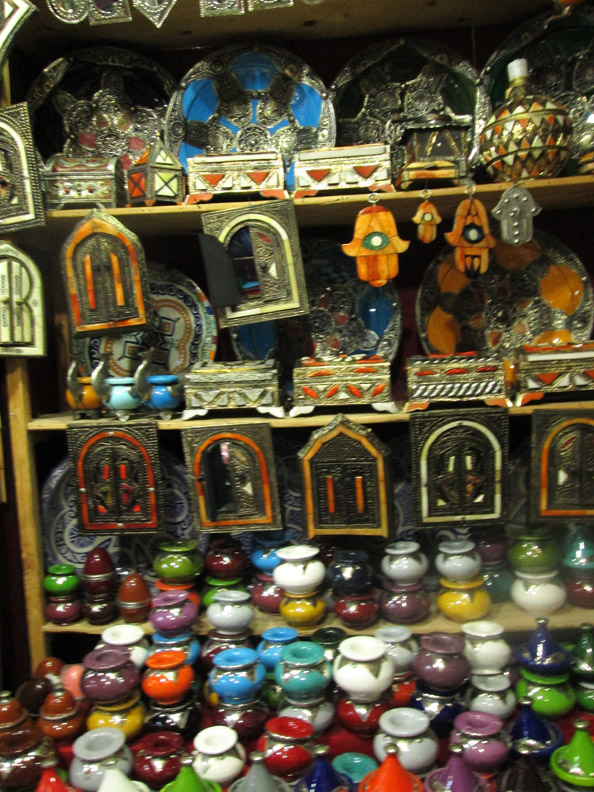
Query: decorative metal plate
[[562, 465], [459, 465], [118, 475], [386, 92], [536, 293], [14, 15], [102, 101], [21, 203], [231, 475], [249, 99], [105, 13], [346, 481], [22, 312]]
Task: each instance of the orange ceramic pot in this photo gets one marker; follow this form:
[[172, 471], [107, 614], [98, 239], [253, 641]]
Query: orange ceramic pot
[[87, 398], [60, 718], [168, 677]]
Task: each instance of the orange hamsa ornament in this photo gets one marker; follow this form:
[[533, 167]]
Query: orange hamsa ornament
[[376, 245], [471, 237], [427, 219]]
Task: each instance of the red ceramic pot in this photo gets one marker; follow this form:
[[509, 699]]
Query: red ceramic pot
[[99, 574], [362, 718], [32, 694], [266, 595], [225, 559], [134, 598], [100, 608], [248, 720], [402, 690], [63, 609], [287, 746], [50, 667], [193, 595], [109, 674], [580, 588], [168, 677], [158, 759], [358, 611], [60, 718]]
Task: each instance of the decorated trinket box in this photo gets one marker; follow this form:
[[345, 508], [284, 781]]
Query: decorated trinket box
[[233, 386], [343, 380], [456, 378], [219, 174], [553, 369], [365, 167], [83, 181]]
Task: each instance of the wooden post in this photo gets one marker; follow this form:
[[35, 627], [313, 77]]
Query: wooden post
[[27, 502]]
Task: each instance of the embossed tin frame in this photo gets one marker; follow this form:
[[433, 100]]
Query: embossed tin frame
[[476, 444], [256, 493], [21, 201], [137, 441], [22, 311], [562, 465]]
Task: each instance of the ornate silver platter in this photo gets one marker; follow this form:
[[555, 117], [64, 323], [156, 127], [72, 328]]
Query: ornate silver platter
[[536, 293], [249, 99]]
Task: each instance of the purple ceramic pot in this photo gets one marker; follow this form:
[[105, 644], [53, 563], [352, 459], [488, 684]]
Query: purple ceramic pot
[[481, 735], [404, 604], [63, 609], [109, 674], [173, 613], [440, 661]]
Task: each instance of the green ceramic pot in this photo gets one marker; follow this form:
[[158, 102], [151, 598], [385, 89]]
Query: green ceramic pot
[[573, 763], [61, 579], [178, 561], [534, 552], [585, 696], [212, 585], [551, 696]]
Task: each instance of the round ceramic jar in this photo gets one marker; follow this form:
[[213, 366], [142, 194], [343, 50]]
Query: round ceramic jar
[[130, 637], [463, 600], [303, 672], [300, 571], [404, 604], [183, 718], [485, 649], [237, 675], [303, 610], [266, 595], [270, 647], [458, 560], [217, 642], [168, 677], [486, 745], [122, 395], [99, 608], [218, 755], [265, 558], [358, 611], [173, 613], [404, 563], [442, 709], [63, 609], [538, 594], [440, 661], [401, 647], [61, 579], [178, 561], [349, 572], [164, 392], [60, 718], [409, 730], [329, 638], [225, 559], [287, 746], [551, 696], [362, 717], [585, 695], [134, 599], [354, 765], [498, 581], [247, 720], [491, 548], [158, 758], [319, 712], [109, 674], [212, 585], [534, 551], [580, 587], [187, 643], [231, 611], [99, 575], [492, 694], [94, 751], [127, 716], [363, 668], [86, 398]]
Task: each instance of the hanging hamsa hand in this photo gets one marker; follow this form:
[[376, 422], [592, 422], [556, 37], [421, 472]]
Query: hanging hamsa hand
[[471, 237], [376, 245]]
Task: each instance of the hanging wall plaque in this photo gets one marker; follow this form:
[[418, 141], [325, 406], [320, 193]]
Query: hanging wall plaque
[[458, 466], [22, 314], [105, 277], [117, 474], [231, 474], [346, 480], [21, 204]]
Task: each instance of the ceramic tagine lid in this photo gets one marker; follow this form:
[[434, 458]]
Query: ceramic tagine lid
[[574, 763], [188, 780], [456, 776], [541, 654], [258, 779], [583, 653], [390, 775], [526, 774], [323, 777], [533, 733]]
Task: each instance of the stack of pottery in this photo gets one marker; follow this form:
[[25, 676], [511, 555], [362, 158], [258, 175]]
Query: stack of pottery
[[168, 685], [404, 600], [62, 587], [489, 655], [230, 614], [583, 667], [99, 581], [484, 741], [401, 649], [578, 569], [350, 577], [303, 673], [237, 679], [172, 615], [134, 598], [288, 747], [463, 596], [177, 566], [225, 563], [269, 651], [60, 717], [95, 752], [497, 576], [300, 574], [266, 595], [21, 746], [537, 588]]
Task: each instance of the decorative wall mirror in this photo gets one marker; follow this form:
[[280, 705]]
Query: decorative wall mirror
[[22, 312], [459, 465], [117, 475], [263, 244], [106, 277], [21, 203], [562, 465], [347, 481], [231, 476]]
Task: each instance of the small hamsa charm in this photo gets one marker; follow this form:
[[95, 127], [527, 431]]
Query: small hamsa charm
[[376, 245], [515, 211], [471, 237], [427, 219]]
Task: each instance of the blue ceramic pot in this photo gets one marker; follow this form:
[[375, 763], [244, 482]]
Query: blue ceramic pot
[[531, 732], [541, 654], [237, 675], [349, 572], [303, 672], [123, 395], [163, 392], [442, 708], [265, 559], [270, 647], [187, 643]]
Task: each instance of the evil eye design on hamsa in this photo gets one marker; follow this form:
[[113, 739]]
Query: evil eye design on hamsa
[[471, 237], [376, 245]]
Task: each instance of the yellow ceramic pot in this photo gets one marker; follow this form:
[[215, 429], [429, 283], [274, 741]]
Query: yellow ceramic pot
[[128, 716], [463, 601], [303, 610]]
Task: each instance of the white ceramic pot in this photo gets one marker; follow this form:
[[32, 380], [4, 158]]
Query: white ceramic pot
[[319, 712], [485, 649], [131, 637], [362, 667], [404, 563], [94, 752], [538, 594], [458, 560], [492, 694], [401, 647], [409, 729], [299, 572], [231, 611], [218, 755]]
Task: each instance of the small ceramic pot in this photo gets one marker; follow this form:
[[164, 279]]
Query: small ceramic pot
[[168, 677], [164, 392], [60, 718], [247, 720], [363, 668], [464, 600], [458, 560], [303, 610], [486, 745], [542, 654], [440, 662], [456, 775], [217, 642], [532, 734], [319, 712], [271, 645], [303, 672], [225, 559], [237, 675], [70, 677], [265, 558], [404, 563], [109, 674], [61, 579], [134, 599], [538, 594], [354, 765], [485, 649], [552, 697], [409, 729], [99, 575], [193, 595], [63, 609], [583, 653], [362, 717], [231, 611], [121, 395], [178, 561], [329, 638], [287, 747], [100, 608], [127, 715], [357, 611], [300, 571], [498, 581], [94, 752], [187, 643], [173, 613], [579, 585], [32, 694], [534, 551], [491, 547], [158, 758], [401, 646], [212, 585], [86, 399], [585, 695], [21, 746], [492, 694], [183, 718], [130, 637], [349, 572], [404, 604], [266, 595], [218, 755]]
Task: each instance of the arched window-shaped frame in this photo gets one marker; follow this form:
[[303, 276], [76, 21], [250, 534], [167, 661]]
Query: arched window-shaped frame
[[231, 476], [263, 244], [459, 467], [21, 203], [118, 477], [346, 480], [563, 465], [22, 312], [106, 277]]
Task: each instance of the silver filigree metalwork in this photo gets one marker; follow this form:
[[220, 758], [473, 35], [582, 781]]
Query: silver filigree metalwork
[[515, 211], [155, 10], [232, 386], [22, 312], [210, 8], [105, 13], [71, 12], [14, 15]]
